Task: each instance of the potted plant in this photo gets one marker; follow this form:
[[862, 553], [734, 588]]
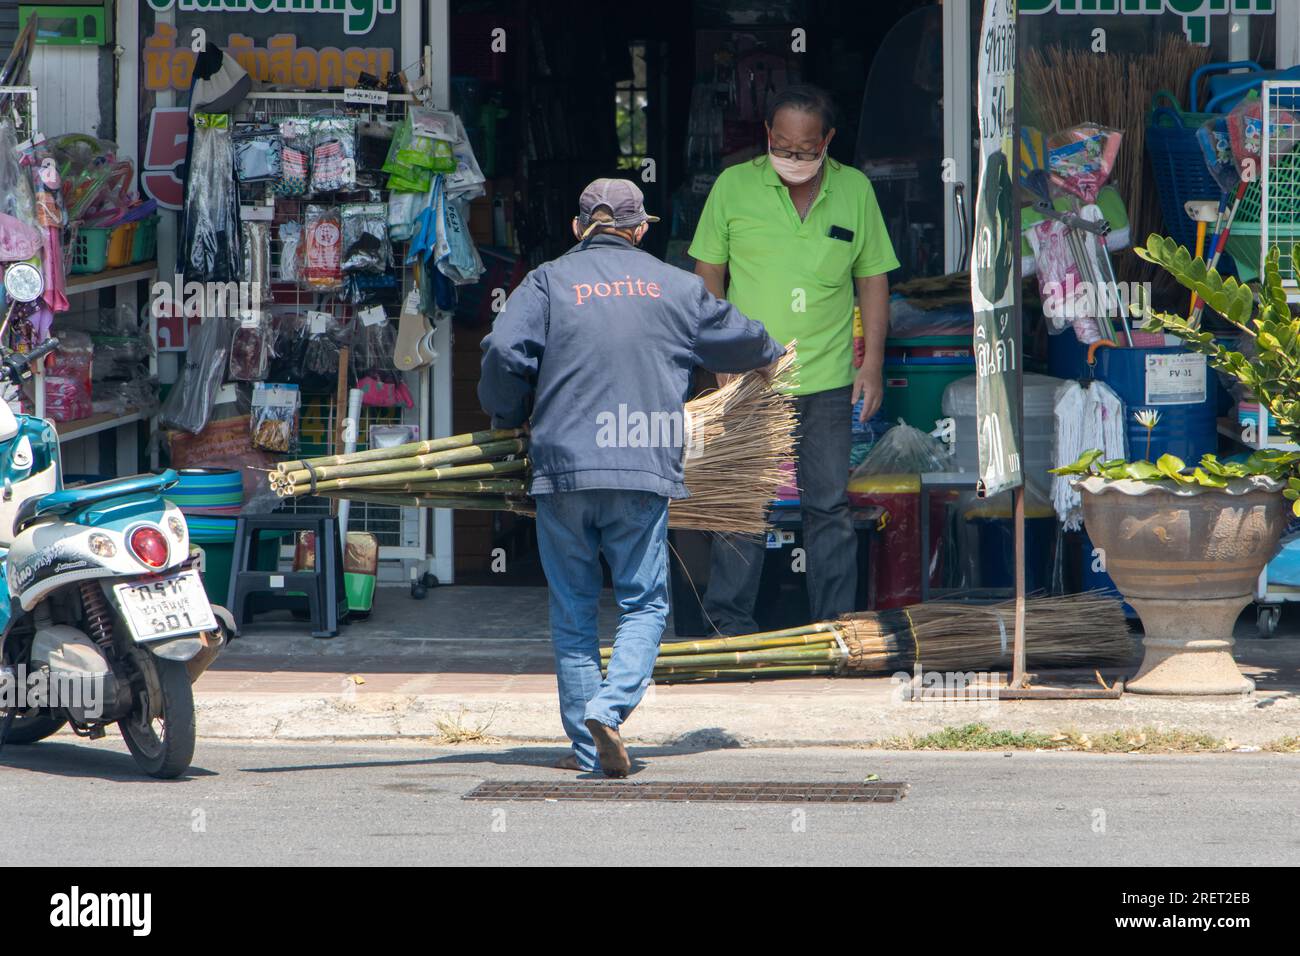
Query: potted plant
[[1184, 544]]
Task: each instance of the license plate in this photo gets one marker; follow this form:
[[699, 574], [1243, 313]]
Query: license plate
[[166, 607]]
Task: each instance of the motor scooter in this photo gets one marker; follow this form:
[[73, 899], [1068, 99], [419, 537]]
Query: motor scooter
[[103, 615]]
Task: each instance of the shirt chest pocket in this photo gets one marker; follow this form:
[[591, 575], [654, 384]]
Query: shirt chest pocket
[[832, 260]]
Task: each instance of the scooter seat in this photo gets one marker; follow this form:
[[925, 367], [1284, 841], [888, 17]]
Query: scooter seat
[[67, 500]]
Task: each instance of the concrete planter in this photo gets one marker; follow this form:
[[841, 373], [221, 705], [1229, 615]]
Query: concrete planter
[[1187, 559]]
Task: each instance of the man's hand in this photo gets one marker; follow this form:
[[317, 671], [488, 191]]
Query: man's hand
[[724, 377], [867, 385]]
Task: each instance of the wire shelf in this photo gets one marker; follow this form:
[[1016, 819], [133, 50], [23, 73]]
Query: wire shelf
[[1280, 176], [18, 105], [401, 533]]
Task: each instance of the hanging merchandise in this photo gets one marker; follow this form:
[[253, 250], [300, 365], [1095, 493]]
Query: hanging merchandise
[[404, 176], [432, 140], [1064, 295], [365, 238], [322, 263], [16, 196], [189, 404], [1081, 159], [295, 158], [467, 180], [51, 218], [374, 139], [250, 349], [210, 251], [257, 259], [290, 264], [373, 343], [461, 263], [318, 360], [1088, 415], [273, 421], [403, 210], [258, 152], [334, 154]]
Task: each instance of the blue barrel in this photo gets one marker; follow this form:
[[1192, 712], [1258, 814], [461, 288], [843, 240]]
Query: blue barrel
[[1187, 429]]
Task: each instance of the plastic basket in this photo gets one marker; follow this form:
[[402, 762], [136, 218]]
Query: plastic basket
[[1178, 164], [120, 243], [1243, 241], [89, 250], [145, 247]]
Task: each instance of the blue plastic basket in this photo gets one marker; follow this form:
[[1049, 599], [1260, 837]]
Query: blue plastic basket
[[1178, 165]]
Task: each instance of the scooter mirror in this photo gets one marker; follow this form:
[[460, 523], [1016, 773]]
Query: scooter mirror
[[24, 282]]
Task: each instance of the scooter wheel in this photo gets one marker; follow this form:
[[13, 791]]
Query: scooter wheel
[[30, 730], [163, 746]]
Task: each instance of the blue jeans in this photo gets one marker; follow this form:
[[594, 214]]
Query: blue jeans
[[631, 529]]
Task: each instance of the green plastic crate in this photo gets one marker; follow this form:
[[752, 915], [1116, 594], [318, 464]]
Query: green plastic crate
[[89, 250], [145, 247]]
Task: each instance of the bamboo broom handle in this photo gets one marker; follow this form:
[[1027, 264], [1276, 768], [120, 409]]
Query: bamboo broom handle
[[433, 459], [466, 503], [819, 633], [377, 483], [741, 658], [405, 451]]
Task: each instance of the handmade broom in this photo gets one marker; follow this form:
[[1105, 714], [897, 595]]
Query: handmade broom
[[739, 438]]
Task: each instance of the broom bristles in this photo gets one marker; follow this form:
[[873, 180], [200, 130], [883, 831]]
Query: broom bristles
[[739, 438]]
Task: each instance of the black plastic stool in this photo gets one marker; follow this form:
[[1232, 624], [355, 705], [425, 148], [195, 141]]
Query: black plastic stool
[[322, 586]]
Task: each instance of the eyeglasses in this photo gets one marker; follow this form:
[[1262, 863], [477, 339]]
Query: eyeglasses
[[792, 154]]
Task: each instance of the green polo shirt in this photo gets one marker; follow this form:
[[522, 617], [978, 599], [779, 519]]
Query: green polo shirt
[[790, 274]]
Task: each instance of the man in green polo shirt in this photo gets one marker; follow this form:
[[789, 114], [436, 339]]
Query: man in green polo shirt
[[788, 238]]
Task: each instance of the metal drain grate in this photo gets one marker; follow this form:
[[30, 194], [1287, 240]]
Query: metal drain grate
[[693, 792]]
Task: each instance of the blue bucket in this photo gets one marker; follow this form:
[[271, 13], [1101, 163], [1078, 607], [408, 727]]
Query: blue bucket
[[1187, 428]]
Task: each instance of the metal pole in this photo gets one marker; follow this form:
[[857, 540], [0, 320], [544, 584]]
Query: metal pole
[[1018, 678]]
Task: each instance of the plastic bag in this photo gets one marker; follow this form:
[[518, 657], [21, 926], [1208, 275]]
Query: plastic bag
[[250, 350], [403, 175], [403, 208], [334, 154], [290, 264], [295, 158], [905, 450], [16, 196], [1081, 159], [257, 260], [258, 151], [273, 421], [189, 404], [374, 139], [322, 252], [68, 378], [318, 359], [365, 238], [211, 246]]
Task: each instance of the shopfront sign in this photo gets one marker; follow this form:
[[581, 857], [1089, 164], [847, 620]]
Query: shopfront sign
[[992, 277], [358, 15], [169, 61], [1195, 13]]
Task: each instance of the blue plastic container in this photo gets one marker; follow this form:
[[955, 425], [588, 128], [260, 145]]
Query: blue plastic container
[[1187, 431]]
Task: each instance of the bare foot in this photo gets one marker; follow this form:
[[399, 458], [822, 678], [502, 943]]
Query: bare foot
[[568, 762], [609, 749]]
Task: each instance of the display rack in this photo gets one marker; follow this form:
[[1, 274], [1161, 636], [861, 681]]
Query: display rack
[[403, 534], [1279, 224], [18, 104]]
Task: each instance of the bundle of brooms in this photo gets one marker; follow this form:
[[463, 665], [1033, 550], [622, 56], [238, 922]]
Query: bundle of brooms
[[1073, 630], [738, 437]]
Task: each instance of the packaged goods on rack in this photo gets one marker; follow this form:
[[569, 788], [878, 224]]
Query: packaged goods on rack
[[257, 259], [290, 261], [322, 263], [258, 152], [68, 378], [273, 422], [334, 154], [365, 238], [250, 350], [295, 158], [189, 404], [210, 247]]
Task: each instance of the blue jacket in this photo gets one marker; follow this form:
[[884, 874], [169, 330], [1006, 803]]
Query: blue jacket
[[603, 340]]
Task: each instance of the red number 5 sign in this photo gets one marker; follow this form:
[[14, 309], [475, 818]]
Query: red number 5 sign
[[169, 132]]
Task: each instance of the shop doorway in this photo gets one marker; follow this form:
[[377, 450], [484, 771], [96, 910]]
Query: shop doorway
[[670, 98]]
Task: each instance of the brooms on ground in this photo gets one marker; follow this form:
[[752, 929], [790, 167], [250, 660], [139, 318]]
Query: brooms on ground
[[1072, 630], [736, 438]]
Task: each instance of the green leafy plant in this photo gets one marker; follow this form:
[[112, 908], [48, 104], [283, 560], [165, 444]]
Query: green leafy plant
[[1272, 374], [1210, 473]]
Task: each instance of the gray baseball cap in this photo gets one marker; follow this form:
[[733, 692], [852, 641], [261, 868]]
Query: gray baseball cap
[[623, 199]]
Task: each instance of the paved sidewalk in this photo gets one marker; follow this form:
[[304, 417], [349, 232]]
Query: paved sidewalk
[[469, 661]]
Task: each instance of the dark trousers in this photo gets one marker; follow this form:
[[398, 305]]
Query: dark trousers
[[830, 542]]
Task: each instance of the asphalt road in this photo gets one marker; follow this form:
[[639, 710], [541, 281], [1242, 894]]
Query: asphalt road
[[401, 804]]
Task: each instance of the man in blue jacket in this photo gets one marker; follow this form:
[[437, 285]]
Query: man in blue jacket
[[601, 342]]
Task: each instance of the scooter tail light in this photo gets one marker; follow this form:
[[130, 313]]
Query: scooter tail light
[[149, 545]]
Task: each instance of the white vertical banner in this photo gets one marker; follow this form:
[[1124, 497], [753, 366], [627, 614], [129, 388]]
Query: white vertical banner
[[994, 292]]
